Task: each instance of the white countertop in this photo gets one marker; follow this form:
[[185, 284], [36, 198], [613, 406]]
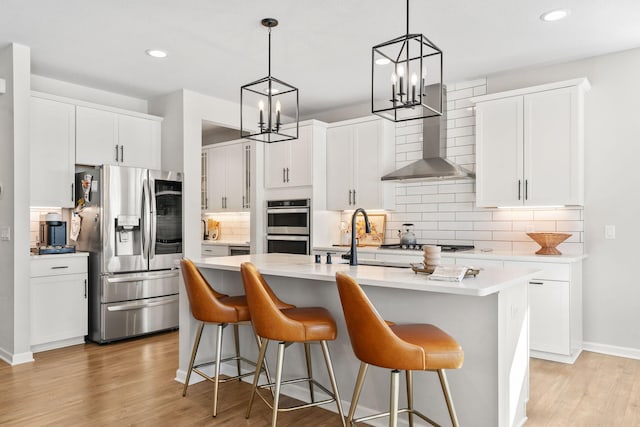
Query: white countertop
[[475, 253], [69, 255], [489, 281], [223, 242]]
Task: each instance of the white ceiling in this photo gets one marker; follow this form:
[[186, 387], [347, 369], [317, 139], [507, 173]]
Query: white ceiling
[[323, 47]]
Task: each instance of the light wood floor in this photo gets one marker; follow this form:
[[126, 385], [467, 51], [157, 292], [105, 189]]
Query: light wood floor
[[132, 383]]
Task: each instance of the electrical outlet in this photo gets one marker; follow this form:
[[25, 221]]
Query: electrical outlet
[[609, 232], [5, 232]]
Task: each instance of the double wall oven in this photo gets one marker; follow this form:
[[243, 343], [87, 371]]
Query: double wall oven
[[289, 226]]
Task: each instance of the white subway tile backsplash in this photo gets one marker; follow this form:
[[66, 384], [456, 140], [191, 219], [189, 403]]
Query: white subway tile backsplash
[[467, 121], [569, 226], [455, 207], [473, 235], [445, 225], [474, 216], [512, 215], [445, 212], [438, 216], [464, 131], [465, 197], [493, 225], [438, 198], [459, 113], [465, 140]]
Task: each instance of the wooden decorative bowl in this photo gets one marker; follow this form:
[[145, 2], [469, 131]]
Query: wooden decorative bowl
[[549, 241]]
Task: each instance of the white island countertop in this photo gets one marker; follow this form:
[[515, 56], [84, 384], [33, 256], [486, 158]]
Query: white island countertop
[[489, 281]]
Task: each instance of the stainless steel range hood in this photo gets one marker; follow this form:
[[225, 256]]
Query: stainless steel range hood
[[433, 166]]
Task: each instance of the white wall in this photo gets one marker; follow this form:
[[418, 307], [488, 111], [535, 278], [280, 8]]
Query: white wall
[[15, 68], [612, 194], [84, 93]]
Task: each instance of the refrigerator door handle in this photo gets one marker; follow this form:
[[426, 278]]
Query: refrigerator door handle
[[130, 279], [138, 305], [145, 219], [152, 218]]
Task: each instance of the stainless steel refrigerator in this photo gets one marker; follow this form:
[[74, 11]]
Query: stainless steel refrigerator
[[131, 223]]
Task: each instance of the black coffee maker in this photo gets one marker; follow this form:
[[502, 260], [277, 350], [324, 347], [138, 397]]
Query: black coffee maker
[[53, 233]]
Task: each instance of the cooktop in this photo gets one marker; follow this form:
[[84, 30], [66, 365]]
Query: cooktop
[[418, 246]]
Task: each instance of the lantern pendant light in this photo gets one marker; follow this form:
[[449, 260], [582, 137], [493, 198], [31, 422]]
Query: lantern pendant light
[[409, 68], [269, 107]]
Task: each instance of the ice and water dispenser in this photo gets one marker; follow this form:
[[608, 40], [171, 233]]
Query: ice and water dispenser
[[128, 235]]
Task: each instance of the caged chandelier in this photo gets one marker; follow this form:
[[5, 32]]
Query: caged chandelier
[[269, 106], [406, 78]]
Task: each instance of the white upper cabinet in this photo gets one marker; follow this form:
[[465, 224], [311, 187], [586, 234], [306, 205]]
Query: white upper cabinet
[[227, 179], [107, 137], [359, 153], [289, 163], [530, 146], [52, 126]]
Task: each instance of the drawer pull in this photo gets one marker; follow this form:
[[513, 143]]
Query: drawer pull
[[59, 267], [536, 283]]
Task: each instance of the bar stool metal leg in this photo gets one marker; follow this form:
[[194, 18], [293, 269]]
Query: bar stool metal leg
[[236, 337], [362, 372], [263, 350], [196, 343], [332, 378], [447, 397], [307, 355], [216, 382], [276, 397], [410, 396], [395, 390]]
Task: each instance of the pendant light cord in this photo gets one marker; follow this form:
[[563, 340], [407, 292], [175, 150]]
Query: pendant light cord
[[407, 17], [269, 67]]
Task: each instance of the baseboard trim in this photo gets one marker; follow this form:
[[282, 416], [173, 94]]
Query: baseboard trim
[[612, 350], [16, 359]]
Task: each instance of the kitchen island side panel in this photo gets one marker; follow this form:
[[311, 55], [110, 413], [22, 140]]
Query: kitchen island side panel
[[489, 390]]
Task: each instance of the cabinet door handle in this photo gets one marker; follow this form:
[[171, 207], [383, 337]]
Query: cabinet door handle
[[349, 197], [73, 194], [85, 288], [287, 174], [122, 153], [519, 188], [354, 197], [59, 267], [244, 205], [117, 146], [284, 176], [526, 189], [536, 283]]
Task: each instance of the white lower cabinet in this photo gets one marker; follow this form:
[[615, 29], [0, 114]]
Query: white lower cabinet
[[58, 296], [555, 310], [214, 250]]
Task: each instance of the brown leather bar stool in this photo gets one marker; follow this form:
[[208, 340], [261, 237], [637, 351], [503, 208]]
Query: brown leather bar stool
[[412, 347], [287, 326], [211, 307]]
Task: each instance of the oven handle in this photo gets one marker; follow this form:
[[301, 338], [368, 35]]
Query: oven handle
[[140, 305], [287, 210], [285, 237]]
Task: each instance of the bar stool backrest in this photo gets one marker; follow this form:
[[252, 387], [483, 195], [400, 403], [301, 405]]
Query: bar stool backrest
[[372, 339], [265, 307], [203, 299]]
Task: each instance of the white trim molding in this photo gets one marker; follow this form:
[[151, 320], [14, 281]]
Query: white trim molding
[[16, 359], [612, 350]]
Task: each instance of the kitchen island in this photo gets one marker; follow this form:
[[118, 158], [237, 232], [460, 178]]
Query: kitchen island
[[487, 315]]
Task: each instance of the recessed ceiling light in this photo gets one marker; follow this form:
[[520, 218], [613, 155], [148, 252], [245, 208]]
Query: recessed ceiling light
[[382, 61], [156, 53], [554, 15]]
